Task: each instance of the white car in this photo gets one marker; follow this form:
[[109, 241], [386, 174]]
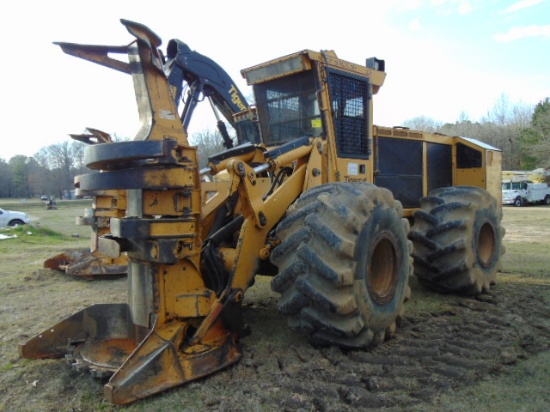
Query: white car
[[11, 218]]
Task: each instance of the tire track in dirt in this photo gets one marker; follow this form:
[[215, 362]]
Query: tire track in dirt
[[431, 354]]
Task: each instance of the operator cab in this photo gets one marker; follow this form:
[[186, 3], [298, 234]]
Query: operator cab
[[290, 92]]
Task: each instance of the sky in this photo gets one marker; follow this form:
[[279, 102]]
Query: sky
[[445, 59]]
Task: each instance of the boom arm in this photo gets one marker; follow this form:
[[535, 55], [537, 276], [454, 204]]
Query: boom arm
[[206, 78]]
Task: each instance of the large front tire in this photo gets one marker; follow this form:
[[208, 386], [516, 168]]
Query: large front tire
[[344, 263], [457, 240]]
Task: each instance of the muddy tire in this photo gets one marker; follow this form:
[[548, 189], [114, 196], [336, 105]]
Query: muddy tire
[[344, 262], [457, 240]]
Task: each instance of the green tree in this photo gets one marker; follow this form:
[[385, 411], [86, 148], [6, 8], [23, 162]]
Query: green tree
[[529, 139], [5, 179], [20, 170], [540, 127], [541, 118]]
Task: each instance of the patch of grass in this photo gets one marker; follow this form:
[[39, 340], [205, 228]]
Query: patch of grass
[[6, 367], [31, 234], [51, 231], [523, 278], [528, 258], [36, 232], [501, 392], [527, 241]]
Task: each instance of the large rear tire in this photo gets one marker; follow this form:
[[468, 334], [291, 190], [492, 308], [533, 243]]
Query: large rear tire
[[344, 264], [457, 240]]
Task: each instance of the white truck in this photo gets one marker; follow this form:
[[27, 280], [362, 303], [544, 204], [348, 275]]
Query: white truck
[[11, 218], [521, 193]]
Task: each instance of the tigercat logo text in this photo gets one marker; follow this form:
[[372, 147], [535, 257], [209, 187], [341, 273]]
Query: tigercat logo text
[[235, 98], [355, 179]]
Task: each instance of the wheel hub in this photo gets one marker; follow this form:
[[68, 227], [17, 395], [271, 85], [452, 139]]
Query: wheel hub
[[382, 273], [486, 243]]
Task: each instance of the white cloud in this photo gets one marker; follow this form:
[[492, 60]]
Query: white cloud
[[414, 25], [522, 4], [465, 7], [448, 7], [516, 33], [406, 6]]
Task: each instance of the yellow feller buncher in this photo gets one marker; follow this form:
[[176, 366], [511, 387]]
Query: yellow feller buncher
[[323, 203], [89, 263]]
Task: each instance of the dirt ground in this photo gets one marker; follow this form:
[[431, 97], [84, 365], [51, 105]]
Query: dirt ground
[[446, 345]]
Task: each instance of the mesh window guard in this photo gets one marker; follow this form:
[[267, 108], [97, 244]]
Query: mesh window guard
[[350, 110]]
